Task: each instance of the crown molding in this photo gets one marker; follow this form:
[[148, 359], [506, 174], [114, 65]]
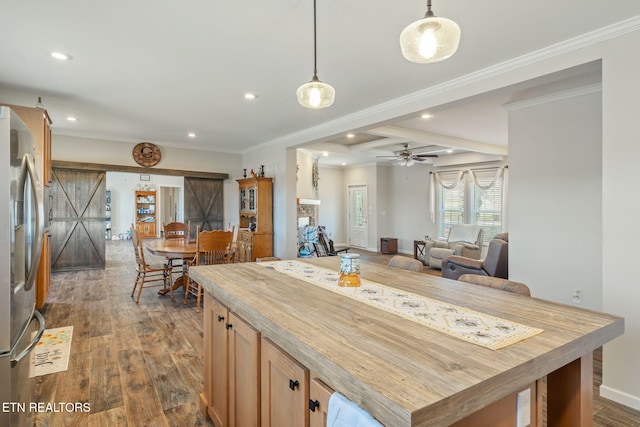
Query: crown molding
[[556, 96], [400, 105]]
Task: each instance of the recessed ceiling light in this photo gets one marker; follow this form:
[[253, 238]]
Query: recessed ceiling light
[[325, 154], [449, 151], [191, 135], [72, 119], [250, 95], [350, 135], [61, 56], [427, 116], [344, 164]]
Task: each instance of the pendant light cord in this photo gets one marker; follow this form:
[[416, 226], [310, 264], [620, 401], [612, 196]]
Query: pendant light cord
[[315, 44]]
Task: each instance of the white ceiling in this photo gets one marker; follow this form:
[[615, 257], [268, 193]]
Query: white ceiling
[[154, 71]]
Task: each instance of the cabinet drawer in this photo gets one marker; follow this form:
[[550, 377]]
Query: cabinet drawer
[[245, 237]]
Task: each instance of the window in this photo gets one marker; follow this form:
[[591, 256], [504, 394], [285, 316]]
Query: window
[[451, 208], [471, 202], [486, 209]]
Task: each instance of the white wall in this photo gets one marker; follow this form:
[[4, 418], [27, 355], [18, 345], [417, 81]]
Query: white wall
[[123, 186], [332, 212], [280, 164], [408, 205], [620, 207], [304, 171], [555, 198]]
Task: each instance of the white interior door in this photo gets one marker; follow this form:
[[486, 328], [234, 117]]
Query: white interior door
[[358, 217], [171, 205]]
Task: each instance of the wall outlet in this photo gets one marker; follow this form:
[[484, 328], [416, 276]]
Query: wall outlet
[[576, 297]]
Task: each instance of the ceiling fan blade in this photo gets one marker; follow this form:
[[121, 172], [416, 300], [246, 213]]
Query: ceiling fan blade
[[425, 155], [387, 156]]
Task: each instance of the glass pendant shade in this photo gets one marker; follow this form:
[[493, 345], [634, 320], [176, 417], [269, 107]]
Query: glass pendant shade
[[316, 94], [430, 39]]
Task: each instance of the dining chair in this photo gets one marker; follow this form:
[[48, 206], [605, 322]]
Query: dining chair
[[176, 230], [212, 247], [497, 283], [406, 263], [147, 273]]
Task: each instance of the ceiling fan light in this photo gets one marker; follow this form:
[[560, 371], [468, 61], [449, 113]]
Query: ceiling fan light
[[316, 94], [410, 162], [430, 39]]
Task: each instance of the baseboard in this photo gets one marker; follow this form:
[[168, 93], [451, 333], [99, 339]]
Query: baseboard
[[621, 397]]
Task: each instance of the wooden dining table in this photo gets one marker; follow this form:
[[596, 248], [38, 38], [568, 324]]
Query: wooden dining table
[[184, 249]]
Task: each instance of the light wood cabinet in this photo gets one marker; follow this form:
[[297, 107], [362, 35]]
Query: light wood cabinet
[[255, 238], [285, 388], [146, 214], [244, 373], [319, 394], [39, 124], [43, 277], [232, 368], [214, 400]]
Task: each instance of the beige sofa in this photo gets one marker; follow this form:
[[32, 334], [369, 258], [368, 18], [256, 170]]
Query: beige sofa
[[463, 240]]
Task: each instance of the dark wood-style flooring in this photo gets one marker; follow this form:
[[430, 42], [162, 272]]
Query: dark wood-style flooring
[[142, 364]]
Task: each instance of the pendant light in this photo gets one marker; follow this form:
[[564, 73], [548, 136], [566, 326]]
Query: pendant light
[[430, 39], [315, 94]]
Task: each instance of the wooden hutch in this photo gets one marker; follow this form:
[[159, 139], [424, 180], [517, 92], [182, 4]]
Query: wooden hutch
[[146, 214], [255, 235]]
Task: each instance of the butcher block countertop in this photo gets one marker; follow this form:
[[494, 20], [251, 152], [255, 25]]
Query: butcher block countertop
[[404, 373]]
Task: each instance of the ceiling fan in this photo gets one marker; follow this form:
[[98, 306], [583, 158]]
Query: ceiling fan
[[407, 158]]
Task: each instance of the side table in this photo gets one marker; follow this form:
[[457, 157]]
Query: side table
[[418, 251], [389, 245]]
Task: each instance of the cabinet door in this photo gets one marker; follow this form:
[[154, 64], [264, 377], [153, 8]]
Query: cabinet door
[[43, 278], [285, 388], [252, 196], [216, 352], [244, 374], [319, 394]]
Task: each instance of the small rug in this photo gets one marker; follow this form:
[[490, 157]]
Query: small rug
[[52, 351]]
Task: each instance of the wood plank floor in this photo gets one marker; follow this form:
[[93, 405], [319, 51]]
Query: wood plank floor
[[142, 364]]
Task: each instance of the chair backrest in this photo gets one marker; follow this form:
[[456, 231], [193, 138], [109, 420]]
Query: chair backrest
[[137, 248], [469, 233], [406, 263], [176, 230], [213, 247], [496, 262], [497, 283]]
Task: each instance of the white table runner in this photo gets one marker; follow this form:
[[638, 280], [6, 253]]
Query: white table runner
[[460, 322]]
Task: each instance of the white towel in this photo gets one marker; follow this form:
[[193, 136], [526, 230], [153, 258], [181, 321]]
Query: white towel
[[344, 413]]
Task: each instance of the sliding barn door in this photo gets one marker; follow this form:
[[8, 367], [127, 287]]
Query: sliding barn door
[[78, 216], [203, 203]]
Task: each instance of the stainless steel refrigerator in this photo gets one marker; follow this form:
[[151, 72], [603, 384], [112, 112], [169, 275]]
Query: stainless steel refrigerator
[[21, 224]]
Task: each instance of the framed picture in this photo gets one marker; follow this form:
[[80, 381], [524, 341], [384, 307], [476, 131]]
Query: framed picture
[[145, 177]]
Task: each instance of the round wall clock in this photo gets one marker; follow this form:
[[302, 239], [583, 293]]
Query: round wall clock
[[146, 154]]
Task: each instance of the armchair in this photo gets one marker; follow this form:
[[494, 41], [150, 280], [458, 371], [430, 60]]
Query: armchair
[[494, 264], [463, 240]]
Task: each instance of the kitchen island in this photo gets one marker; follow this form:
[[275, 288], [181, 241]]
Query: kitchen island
[[397, 369]]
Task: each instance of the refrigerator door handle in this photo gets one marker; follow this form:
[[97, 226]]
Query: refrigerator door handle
[[33, 342], [28, 165]]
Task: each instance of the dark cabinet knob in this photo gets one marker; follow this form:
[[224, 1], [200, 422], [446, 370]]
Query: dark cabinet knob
[[220, 318], [228, 326], [293, 384], [313, 404]]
